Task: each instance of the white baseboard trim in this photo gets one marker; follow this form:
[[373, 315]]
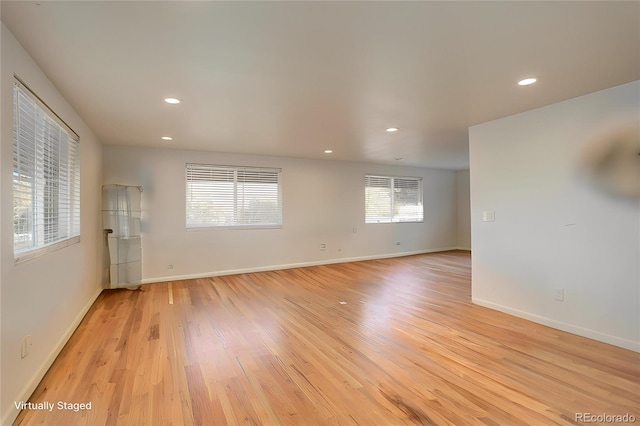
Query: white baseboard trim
[[289, 266], [33, 383], [559, 325]]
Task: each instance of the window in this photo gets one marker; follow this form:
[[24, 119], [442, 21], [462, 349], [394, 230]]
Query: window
[[229, 196], [393, 199], [46, 178]]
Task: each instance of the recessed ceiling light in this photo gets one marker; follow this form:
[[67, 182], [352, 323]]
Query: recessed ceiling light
[[527, 81], [328, 151], [167, 138], [172, 100], [392, 129]]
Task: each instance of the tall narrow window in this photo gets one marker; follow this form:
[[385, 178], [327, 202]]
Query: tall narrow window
[[229, 196], [46, 178], [393, 199]]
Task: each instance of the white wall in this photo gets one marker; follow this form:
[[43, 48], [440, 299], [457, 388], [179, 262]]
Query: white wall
[[553, 229], [463, 197], [47, 296], [322, 202]]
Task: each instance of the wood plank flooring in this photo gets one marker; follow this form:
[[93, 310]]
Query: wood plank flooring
[[272, 348]]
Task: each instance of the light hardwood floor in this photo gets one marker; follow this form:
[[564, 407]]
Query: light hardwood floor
[[279, 348]]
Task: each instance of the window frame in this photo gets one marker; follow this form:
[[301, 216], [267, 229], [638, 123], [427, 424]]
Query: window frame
[[393, 217], [46, 176], [236, 212]]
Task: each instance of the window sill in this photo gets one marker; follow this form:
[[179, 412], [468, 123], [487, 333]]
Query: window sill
[[26, 256], [235, 227]]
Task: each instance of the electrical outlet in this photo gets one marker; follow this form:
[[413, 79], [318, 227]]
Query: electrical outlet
[[559, 294], [170, 266], [25, 346], [323, 247], [397, 243]]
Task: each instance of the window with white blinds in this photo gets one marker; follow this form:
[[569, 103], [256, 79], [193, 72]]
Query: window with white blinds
[[46, 178], [393, 199], [229, 196]]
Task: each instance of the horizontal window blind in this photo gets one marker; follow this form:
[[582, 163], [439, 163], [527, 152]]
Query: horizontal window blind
[[229, 196], [46, 178], [393, 199]]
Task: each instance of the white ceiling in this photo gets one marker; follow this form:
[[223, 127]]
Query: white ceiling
[[296, 78]]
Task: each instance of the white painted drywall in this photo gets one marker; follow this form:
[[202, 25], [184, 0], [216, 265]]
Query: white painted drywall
[[553, 228], [45, 297], [463, 233], [323, 202]]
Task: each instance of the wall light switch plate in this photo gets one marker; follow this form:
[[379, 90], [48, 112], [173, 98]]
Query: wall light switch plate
[[488, 216]]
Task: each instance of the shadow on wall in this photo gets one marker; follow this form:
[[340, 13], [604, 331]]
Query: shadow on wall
[[611, 162]]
